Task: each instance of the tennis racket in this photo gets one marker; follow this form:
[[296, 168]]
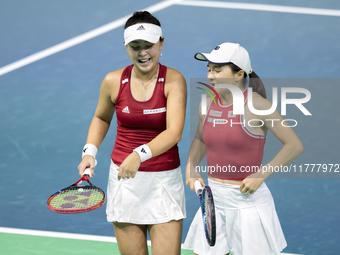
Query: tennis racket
[[76, 198], [208, 211]]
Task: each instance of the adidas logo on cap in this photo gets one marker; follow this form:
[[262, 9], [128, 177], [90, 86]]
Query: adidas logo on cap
[[141, 27]]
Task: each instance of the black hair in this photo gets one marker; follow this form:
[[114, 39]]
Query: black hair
[[141, 17], [254, 81]]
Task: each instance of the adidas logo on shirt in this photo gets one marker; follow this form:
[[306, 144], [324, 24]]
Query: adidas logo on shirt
[[141, 27], [126, 110]]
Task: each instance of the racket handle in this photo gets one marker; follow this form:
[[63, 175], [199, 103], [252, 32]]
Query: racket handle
[[198, 187], [87, 172]]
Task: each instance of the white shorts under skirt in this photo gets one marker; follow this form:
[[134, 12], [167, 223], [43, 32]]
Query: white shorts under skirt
[[245, 224], [149, 198]]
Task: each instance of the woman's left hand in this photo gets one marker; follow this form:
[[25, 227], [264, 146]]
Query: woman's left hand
[[129, 167], [250, 184]]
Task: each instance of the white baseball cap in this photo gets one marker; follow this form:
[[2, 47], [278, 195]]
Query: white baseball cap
[[228, 53], [142, 31]]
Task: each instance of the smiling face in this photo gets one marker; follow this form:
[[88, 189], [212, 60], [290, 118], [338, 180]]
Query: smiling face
[[144, 55]]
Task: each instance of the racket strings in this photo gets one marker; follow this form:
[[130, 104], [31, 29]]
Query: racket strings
[[77, 198]]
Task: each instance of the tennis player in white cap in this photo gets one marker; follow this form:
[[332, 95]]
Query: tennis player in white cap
[[247, 222], [145, 190]]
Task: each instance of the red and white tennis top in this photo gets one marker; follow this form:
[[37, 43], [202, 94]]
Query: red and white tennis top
[[233, 147], [141, 121]]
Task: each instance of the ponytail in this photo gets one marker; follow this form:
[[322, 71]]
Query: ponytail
[[256, 83]]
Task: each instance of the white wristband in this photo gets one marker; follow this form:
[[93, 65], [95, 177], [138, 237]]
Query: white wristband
[[144, 152], [89, 149]]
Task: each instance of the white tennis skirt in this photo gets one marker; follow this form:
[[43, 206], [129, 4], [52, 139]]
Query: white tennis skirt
[[149, 198], [245, 224]]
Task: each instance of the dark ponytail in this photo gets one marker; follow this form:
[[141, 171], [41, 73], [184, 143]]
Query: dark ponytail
[[254, 81]]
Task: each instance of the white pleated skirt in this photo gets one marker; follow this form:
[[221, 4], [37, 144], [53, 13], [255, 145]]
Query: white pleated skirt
[[245, 224], [149, 198]]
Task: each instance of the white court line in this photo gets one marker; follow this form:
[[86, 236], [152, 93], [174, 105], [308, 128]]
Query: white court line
[[69, 235], [81, 38], [30, 232], [154, 8], [263, 7]]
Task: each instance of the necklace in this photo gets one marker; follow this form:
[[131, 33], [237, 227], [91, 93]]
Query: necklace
[[142, 83]]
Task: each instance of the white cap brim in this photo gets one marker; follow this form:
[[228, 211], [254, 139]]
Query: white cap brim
[[228, 53], [211, 58], [142, 31]]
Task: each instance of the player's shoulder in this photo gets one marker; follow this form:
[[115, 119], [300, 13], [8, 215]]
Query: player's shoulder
[[113, 76], [173, 75], [260, 103], [175, 82], [111, 81], [207, 104]]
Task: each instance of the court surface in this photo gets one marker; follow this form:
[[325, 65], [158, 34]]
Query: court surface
[[53, 57]]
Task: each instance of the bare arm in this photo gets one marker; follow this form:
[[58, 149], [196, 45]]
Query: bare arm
[[197, 152], [291, 149], [176, 93], [102, 118]]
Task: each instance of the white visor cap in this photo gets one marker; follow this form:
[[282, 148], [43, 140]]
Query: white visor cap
[[142, 31], [228, 53]]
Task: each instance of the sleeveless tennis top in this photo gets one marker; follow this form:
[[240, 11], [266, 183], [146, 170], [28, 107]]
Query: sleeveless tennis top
[[234, 149], [141, 121]]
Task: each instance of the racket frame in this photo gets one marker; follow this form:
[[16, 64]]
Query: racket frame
[[76, 185], [206, 193]]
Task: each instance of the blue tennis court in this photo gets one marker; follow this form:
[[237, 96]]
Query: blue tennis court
[[54, 55]]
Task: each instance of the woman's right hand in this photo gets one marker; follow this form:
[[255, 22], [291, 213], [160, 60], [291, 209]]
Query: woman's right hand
[[87, 162], [129, 167], [190, 182]]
